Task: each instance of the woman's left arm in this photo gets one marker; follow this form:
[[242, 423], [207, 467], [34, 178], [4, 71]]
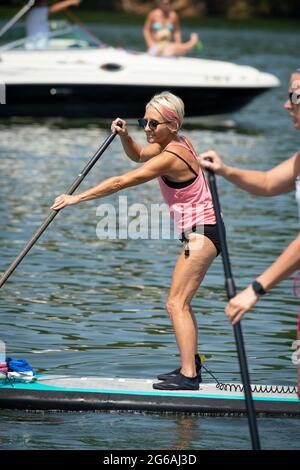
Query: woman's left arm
[[287, 263], [155, 167], [177, 31], [281, 179]]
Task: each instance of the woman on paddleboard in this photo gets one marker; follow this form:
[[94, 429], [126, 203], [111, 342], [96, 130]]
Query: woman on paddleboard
[[171, 158], [281, 179]]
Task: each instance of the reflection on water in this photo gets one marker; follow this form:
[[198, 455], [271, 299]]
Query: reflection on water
[[80, 305], [55, 431]]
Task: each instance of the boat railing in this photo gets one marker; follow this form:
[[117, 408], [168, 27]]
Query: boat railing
[[83, 41]]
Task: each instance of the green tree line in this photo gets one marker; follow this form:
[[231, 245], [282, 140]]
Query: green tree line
[[234, 9]]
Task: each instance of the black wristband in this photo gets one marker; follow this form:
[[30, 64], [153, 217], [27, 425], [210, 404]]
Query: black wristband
[[258, 288]]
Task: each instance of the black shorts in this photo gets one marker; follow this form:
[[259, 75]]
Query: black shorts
[[210, 231]]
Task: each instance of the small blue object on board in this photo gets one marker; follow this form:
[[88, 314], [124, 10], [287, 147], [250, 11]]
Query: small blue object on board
[[18, 365]]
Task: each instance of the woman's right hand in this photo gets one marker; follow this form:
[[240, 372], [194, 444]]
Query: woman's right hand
[[211, 161], [64, 200], [119, 126]]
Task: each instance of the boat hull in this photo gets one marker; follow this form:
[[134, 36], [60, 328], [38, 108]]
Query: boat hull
[[111, 100]]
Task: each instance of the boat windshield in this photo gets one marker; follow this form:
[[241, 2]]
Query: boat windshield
[[68, 37]]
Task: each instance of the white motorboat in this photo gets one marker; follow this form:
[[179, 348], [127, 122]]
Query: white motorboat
[[78, 76]]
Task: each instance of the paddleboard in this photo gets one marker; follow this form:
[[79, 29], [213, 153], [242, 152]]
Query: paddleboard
[[65, 393]]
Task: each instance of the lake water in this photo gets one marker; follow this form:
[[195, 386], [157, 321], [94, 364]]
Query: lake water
[[87, 306]]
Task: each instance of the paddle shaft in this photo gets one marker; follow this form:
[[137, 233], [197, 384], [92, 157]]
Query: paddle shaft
[[231, 292], [54, 213]]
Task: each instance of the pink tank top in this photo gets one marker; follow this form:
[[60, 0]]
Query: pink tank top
[[193, 204]]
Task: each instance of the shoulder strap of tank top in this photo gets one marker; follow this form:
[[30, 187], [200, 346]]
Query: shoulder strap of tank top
[[182, 143], [182, 159], [188, 145], [193, 152]]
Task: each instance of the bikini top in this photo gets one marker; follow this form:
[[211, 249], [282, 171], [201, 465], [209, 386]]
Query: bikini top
[[157, 26]]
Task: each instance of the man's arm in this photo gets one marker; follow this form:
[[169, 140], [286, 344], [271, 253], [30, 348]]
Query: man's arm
[[57, 7]]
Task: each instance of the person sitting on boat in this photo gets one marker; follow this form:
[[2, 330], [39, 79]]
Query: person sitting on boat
[[171, 158], [283, 178], [164, 47], [162, 17], [37, 24]]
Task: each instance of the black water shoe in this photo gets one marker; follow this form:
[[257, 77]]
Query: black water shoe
[[179, 382], [176, 372]]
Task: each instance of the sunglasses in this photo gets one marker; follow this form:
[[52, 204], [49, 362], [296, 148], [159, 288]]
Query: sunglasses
[[152, 123], [294, 97]]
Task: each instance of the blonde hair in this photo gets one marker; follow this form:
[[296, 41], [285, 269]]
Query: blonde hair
[[170, 106]]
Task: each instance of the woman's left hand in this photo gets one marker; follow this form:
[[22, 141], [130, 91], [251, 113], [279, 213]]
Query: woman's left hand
[[240, 304], [64, 200]]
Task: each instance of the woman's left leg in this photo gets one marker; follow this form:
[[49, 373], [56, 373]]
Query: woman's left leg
[[187, 277]]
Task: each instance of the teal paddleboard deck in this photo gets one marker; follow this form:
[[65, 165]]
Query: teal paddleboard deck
[[65, 393]]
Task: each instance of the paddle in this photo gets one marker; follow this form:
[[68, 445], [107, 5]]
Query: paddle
[[54, 213], [231, 292]]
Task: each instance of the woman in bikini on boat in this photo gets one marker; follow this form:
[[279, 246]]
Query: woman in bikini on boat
[[162, 32], [162, 18]]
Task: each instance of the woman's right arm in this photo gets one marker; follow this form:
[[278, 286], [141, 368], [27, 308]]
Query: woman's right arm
[[158, 166], [278, 180], [147, 30], [133, 150]]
